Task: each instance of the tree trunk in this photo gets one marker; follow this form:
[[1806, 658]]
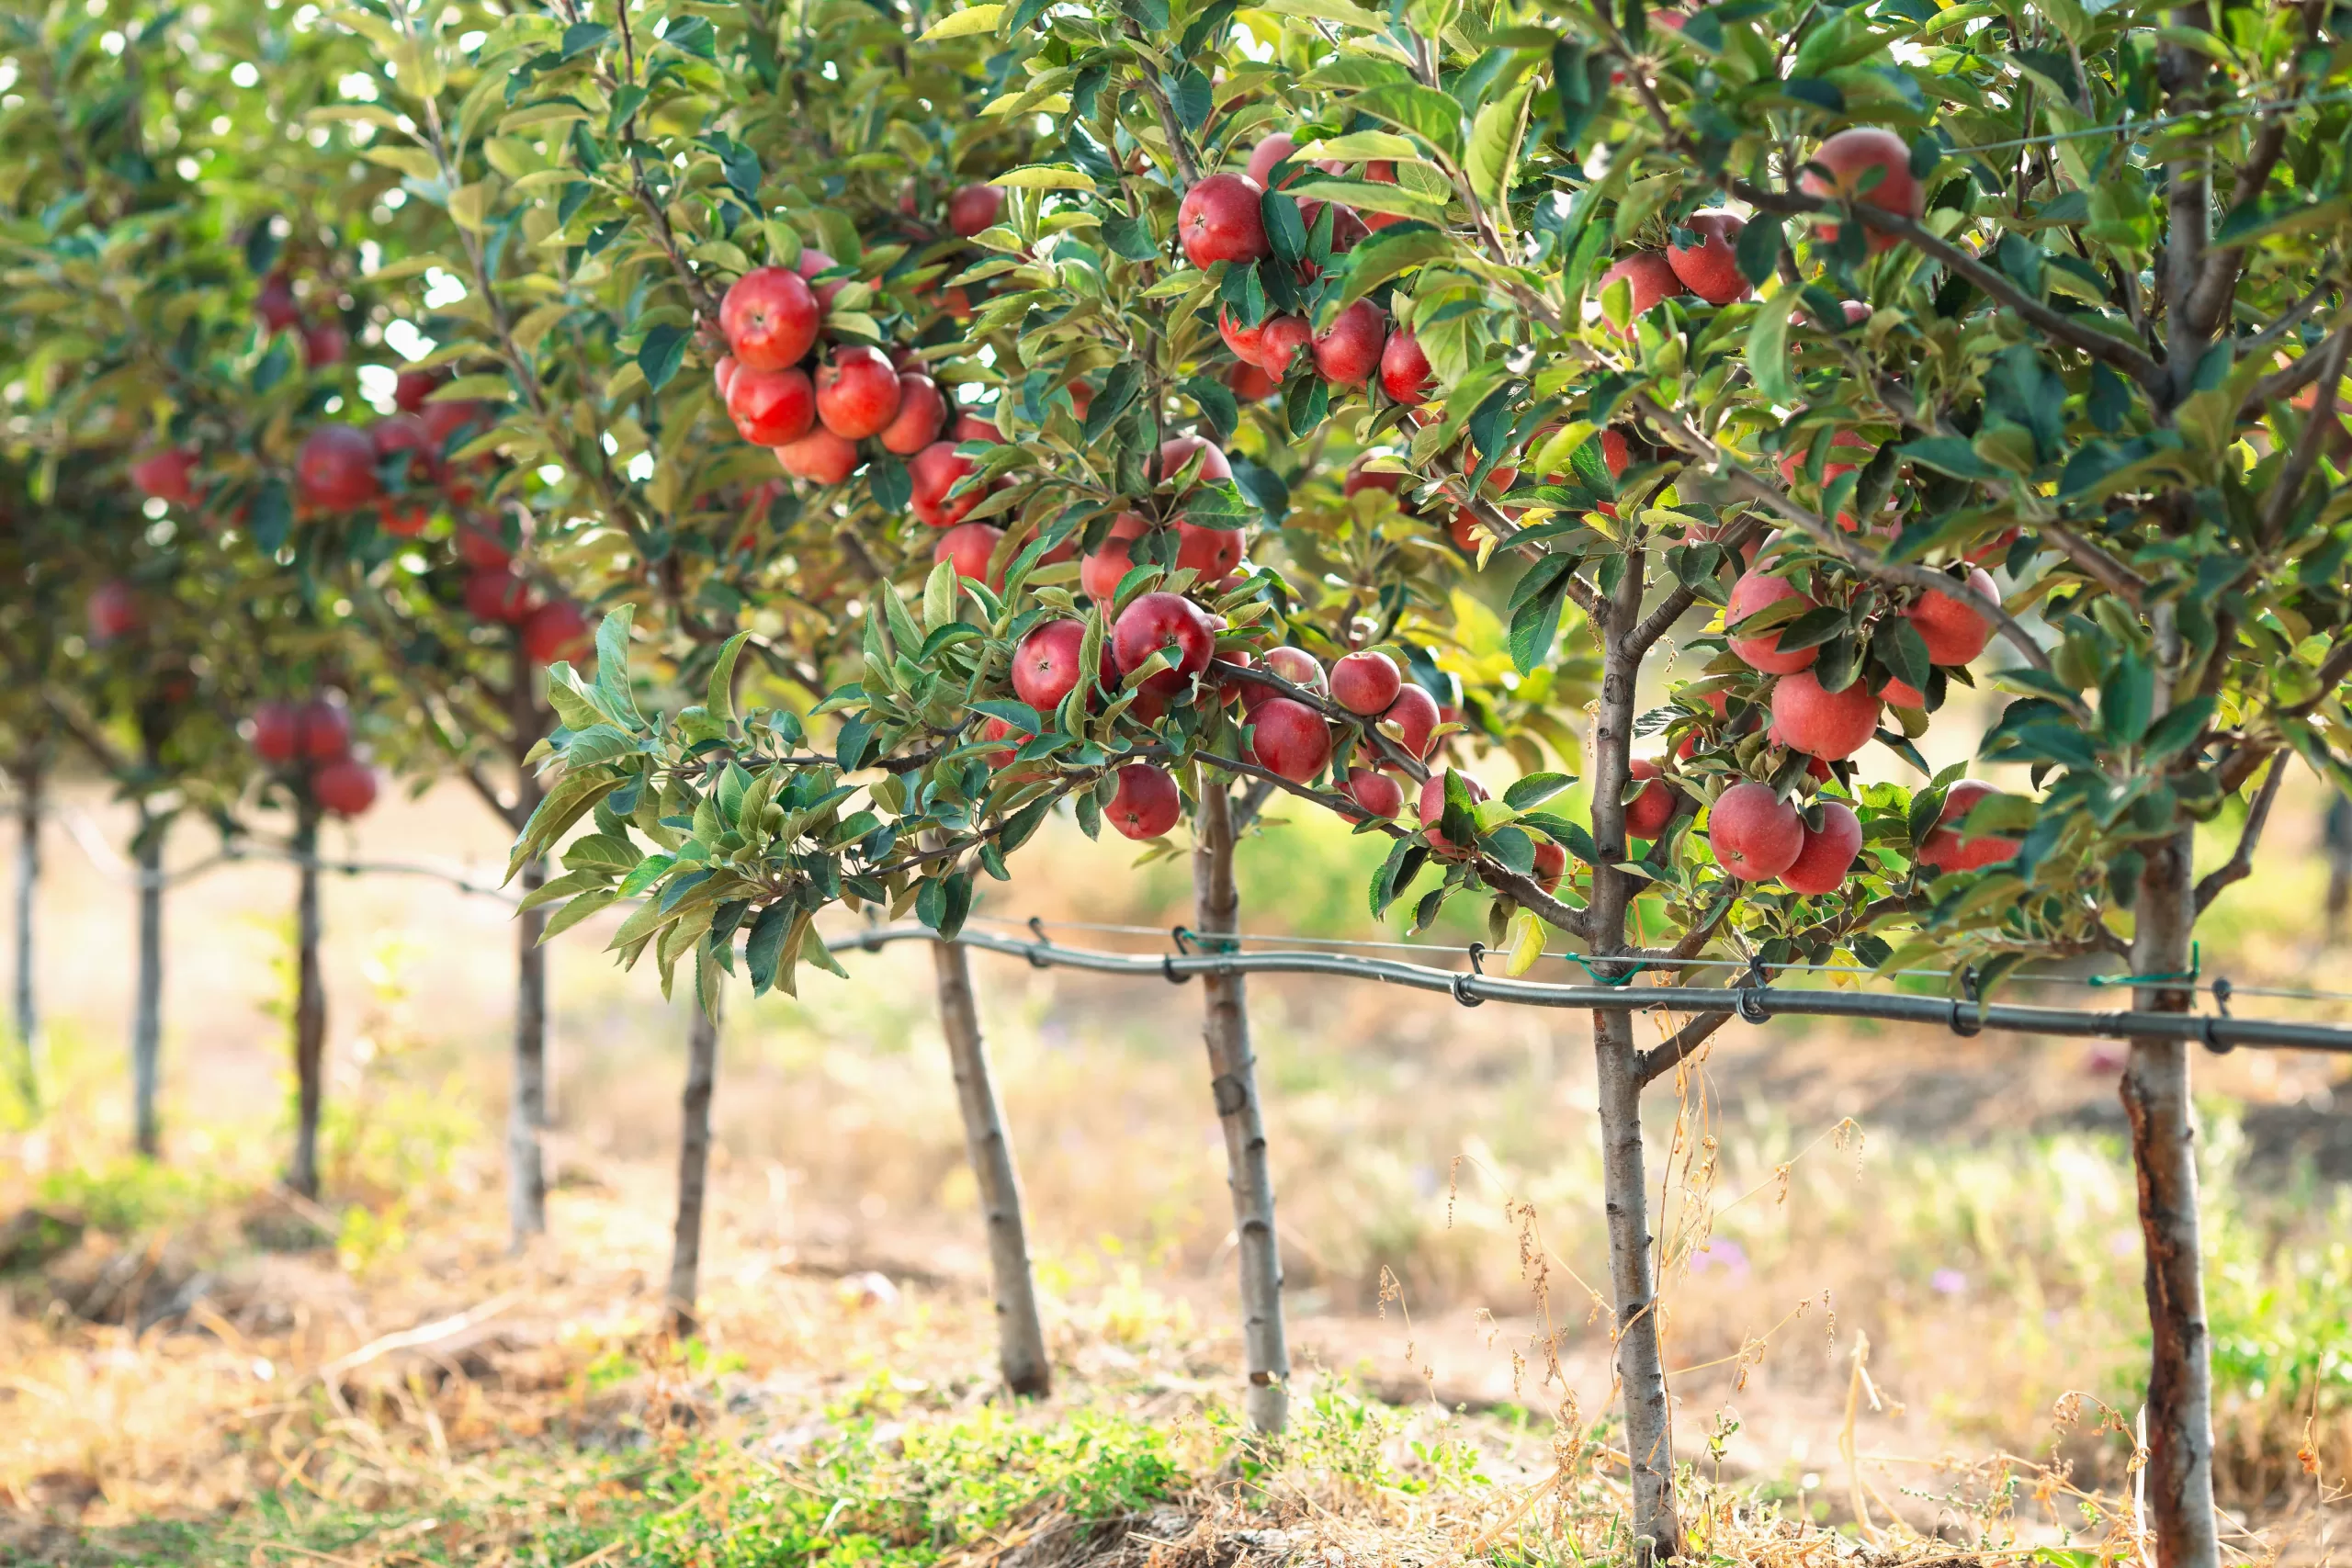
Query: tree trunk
[[310, 1009], [694, 1171], [1216, 901], [526, 1110], [1020, 1339], [526, 1182], [2336, 836], [1641, 1369], [147, 1012], [28, 1011], [2179, 1475]]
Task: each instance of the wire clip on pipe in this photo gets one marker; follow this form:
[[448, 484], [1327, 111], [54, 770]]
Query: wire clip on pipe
[[2221, 990], [1462, 981], [1752, 987], [1967, 997], [1183, 940], [1036, 959]]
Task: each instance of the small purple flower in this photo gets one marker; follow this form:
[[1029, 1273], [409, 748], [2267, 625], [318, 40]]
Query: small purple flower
[[1947, 1282], [1727, 1255]]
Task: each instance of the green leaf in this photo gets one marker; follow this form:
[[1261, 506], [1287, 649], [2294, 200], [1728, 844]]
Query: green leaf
[[664, 350], [1392, 251], [564, 804], [2127, 699], [719, 700], [1495, 138], [1951, 454], [579, 910], [1424, 111], [1045, 176], [1535, 788], [1761, 245], [2177, 730], [612, 666], [1767, 349], [766, 945], [968, 22]]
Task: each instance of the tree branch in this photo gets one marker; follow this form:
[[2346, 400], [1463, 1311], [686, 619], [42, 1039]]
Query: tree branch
[[2097, 564], [1391, 755], [1670, 609], [2279, 384], [2241, 865], [2288, 488]]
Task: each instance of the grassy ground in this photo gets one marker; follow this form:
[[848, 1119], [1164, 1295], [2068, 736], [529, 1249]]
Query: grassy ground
[[1901, 1270]]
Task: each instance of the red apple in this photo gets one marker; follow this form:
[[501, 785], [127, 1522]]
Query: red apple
[[1266, 154], [449, 425], [1551, 865], [1709, 269], [1651, 276], [819, 457], [1177, 451], [1405, 372], [1754, 592], [1248, 343], [1360, 478], [1374, 791], [922, 413], [970, 426], [168, 475], [770, 318], [412, 388], [1099, 572], [1157, 621], [557, 631], [1250, 383], [973, 208], [1366, 683], [324, 343], [1825, 857], [1432, 808], [497, 597], [1001, 730], [1147, 803], [1902, 694], [1649, 813], [275, 304], [1297, 666], [1829, 724], [1220, 221], [935, 471], [482, 549], [1347, 353], [403, 518], [1848, 158], [1414, 714], [1755, 834], [113, 612], [1045, 667], [322, 730], [857, 394], [336, 469], [722, 375], [277, 731], [345, 787], [1947, 847], [771, 408], [970, 545], [1289, 739], [1286, 337], [1954, 632], [812, 261]]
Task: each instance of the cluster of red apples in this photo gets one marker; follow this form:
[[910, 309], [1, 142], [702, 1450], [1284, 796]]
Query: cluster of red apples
[[812, 404], [310, 741]]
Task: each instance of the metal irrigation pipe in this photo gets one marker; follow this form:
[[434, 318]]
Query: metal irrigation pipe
[[2218, 1031]]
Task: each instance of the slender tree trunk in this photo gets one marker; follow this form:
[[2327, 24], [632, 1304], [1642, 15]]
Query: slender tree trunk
[[27, 1008], [1020, 1339], [147, 1014], [1641, 1369], [2179, 1475], [2336, 836], [694, 1171], [1216, 901], [526, 1110], [310, 1009]]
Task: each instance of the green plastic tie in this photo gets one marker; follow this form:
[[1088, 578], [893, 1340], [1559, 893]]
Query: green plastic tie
[[2196, 962], [1579, 960]]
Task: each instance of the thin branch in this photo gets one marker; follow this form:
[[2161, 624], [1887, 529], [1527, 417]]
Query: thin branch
[[2217, 280], [2281, 384], [2288, 319], [2241, 865], [1670, 609], [2097, 562], [1391, 755], [1169, 125], [2287, 488], [1667, 1054], [2125, 357]]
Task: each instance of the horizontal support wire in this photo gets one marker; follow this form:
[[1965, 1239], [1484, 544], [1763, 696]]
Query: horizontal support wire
[[1754, 1003]]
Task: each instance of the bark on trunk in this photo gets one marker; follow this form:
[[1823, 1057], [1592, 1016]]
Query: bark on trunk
[[1020, 1339], [2179, 1475], [27, 1008], [694, 1171], [526, 1110], [147, 1012], [309, 1010], [526, 1182], [1217, 912], [1640, 1370]]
